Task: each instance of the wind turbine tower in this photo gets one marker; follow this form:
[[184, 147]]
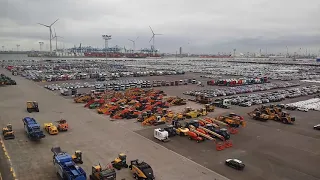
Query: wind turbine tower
[[56, 37], [153, 39], [18, 45], [50, 37], [134, 43]]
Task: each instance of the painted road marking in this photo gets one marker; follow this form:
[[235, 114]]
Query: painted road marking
[[9, 160]]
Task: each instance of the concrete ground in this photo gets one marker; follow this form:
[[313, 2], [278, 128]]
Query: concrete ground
[[99, 139], [270, 150]]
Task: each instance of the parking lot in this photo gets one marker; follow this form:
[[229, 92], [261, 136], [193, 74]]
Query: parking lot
[[99, 139], [270, 150]]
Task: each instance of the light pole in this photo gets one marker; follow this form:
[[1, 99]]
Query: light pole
[[40, 43], [106, 38], [287, 51]]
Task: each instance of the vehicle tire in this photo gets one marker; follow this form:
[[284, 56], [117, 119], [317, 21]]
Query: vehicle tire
[[181, 134], [29, 111], [135, 176], [130, 167], [91, 178], [198, 141], [284, 121], [126, 166]]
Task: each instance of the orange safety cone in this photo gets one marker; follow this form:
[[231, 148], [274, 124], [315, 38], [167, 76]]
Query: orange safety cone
[[233, 130], [220, 146], [228, 144]]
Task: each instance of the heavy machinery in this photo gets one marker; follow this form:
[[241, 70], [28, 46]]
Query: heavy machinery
[[209, 107], [102, 174], [120, 162], [82, 98], [32, 106], [232, 121], [196, 125], [161, 135], [7, 132], [77, 157], [203, 99], [257, 115], [182, 131], [50, 128], [141, 170], [203, 112], [285, 118], [5, 80], [65, 167], [192, 114], [171, 130], [62, 125], [32, 129]]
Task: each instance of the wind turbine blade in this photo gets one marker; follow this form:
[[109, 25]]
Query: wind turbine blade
[[158, 34], [54, 22], [151, 38], [137, 37], [130, 40], [151, 30], [43, 25]]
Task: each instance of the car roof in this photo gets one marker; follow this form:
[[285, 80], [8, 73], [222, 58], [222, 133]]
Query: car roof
[[236, 160]]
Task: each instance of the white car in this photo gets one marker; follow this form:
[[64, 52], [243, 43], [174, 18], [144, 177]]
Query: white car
[[303, 109]]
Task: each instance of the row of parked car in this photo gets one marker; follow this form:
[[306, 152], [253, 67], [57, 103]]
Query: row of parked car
[[120, 84], [239, 89], [310, 104], [275, 96]]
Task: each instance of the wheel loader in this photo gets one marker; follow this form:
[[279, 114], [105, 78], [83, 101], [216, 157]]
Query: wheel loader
[[77, 157], [120, 162], [232, 122], [192, 114], [7, 132], [102, 174], [257, 115], [32, 106], [141, 170], [62, 125], [182, 131], [203, 112], [209, 107], [50, 128]]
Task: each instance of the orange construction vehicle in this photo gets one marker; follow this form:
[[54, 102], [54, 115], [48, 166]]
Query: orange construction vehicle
[[62, 125]]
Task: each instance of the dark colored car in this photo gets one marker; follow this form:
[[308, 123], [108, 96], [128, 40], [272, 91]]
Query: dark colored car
[[316, 127], [235, 163]]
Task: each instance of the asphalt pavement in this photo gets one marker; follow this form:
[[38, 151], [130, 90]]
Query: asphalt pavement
[[99, 139]]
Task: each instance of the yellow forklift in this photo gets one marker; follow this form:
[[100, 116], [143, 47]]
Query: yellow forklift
[[102, 174], [77, 157], [120, 162], [32, 106], [7, 132]]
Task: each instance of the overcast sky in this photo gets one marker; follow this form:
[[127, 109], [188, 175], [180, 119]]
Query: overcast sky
[[208, 26]]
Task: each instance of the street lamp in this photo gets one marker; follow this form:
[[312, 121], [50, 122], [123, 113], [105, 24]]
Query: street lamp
[[40, 43], [106, 38]]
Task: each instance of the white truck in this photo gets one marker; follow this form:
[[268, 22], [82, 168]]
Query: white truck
[[161, 135]]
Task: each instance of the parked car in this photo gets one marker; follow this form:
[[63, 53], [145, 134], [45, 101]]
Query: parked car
[[235, 163]]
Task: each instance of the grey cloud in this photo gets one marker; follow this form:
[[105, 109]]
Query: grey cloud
[[199, 26]]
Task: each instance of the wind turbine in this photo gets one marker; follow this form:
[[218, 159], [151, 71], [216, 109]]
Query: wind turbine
[[49, 26], [134, 43], [56, 37], [153, 38]]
